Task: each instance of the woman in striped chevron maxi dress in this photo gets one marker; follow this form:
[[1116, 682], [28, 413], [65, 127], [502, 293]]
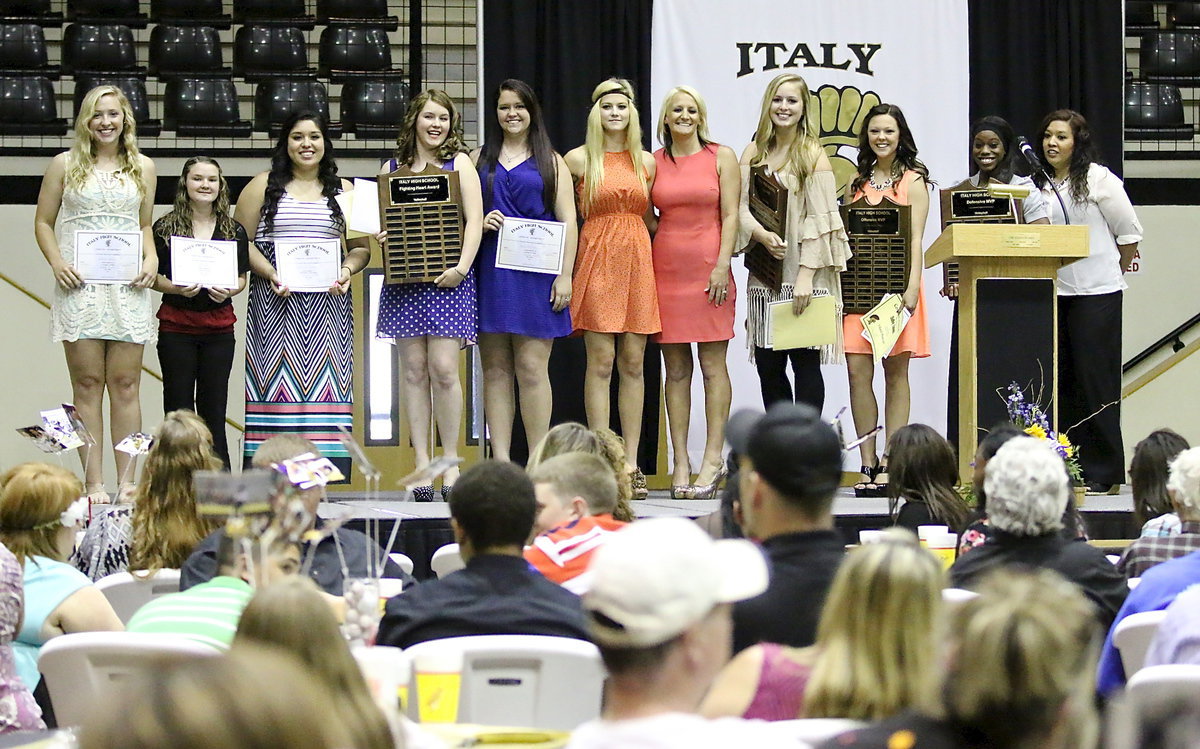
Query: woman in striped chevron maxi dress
[[299, 345]]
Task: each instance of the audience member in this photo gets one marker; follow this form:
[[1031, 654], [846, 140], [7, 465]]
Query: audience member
[[162, 526], [1148, 479], [40, 512], [491, 512], [209, 612], [1177, 639], [290, 614], [576, 496], [256, 698], [573, 437], [876, 645], [1183, 488], [659, 611], [978, 530], [19, 711], [790, 467], [1027, 490], [1019, 673], [924, 472], [343, 547]]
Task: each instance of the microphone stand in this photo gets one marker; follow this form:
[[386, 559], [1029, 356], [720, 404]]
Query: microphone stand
[[1036, 163]]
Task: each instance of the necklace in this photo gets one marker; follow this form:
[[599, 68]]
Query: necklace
[[513, 158], [881, 185], [109, 180]]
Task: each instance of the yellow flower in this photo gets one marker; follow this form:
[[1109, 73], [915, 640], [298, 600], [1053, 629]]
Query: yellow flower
[[1035, 430]]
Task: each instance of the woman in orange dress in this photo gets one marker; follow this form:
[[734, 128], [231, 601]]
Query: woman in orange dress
[[614, 300], [887, 167]]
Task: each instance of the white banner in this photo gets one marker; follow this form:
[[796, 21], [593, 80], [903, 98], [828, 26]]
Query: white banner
[[852, 55]]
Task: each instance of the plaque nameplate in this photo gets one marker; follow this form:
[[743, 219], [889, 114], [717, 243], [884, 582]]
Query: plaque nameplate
[[422, 215], [966, 203]]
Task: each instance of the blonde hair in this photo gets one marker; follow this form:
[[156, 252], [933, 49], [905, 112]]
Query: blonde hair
[[1021, 651], [255, 698], [166, 524], [282, 447], [290, 614], [664, 132], [877, 643], [805, 150], [81, 158], [573, 437], [593, 145], [32, 496]]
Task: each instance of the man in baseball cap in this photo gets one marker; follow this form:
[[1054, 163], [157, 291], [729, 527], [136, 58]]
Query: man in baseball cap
[[790, 466], [659, 610]]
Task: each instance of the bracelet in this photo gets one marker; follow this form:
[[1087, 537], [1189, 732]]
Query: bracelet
[[347, 268], [459, 272]]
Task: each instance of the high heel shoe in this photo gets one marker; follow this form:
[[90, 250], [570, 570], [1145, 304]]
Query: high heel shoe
[[683, 491], [709, 491], [868, 488], [423, 493], [637, 481]]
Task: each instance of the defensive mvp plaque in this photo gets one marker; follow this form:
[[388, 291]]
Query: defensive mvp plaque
[[422, 215], [879, 237], [768, 204], [966, 203]]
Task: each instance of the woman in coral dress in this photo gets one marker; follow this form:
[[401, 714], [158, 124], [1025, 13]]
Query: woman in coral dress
[[696, 188], [614, 300], [887, 167]]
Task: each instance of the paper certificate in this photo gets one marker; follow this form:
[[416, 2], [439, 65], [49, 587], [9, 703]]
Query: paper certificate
[[211, 263], [883, 324], [309, 265], [110, 257], [534, 246]]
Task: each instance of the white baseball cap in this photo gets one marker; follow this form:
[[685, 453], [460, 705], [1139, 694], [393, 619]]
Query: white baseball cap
[[655, 578]]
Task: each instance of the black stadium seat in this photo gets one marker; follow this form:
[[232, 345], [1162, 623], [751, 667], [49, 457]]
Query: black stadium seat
[[373, 109], [27, 107], [134, 88], [1184, 15], [273, 12], [107, 11], [355, 52], [264, 52], [1171, 57], [23, 51], [203, 107], [277, 98], [30, 11], [184, 12], [92, 48], [1154, 111], [186, 51], [373, 11]]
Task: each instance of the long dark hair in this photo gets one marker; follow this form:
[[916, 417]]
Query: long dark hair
[[1003, 170], [539, 144], [281, 171], [178, 222], [1148, 473], [906, 149], [1083, 156], [922, 468]]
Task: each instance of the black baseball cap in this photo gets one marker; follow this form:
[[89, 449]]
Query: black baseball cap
[[792, 449]]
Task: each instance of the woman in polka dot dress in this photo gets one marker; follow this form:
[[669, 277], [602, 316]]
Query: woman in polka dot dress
[[431, 322]]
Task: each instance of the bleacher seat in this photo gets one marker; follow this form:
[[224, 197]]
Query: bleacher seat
[[348, 52], [30, 11], [277, 98], [1154, 111], [107, 11], [1184, 15], [373, 109], [203, 107], [266, 52], [191, 51], [99, 48], [28, 107], [273, 12], [23, 51], [134, 89], [1140, 17], [373, 11], [184, 12], [1171, 57]]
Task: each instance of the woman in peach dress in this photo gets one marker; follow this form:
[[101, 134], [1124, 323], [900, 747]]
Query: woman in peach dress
[[614, 302]]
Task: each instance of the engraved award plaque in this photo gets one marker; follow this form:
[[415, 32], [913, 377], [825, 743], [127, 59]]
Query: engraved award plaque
[[966, 203], [768, 204], [422, 214], [879, 237]]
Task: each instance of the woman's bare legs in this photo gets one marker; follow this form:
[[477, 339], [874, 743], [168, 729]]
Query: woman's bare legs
[[122, 379], [631, 392], [531, 357], [443, 356], [863, 406], [897, 398], [718, 394], [677, 359], [496, 354], [601, 353], [414, 382], [85, 364]]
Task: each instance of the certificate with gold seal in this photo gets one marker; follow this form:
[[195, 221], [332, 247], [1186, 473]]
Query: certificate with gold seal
[[108, 257], [531, 245]]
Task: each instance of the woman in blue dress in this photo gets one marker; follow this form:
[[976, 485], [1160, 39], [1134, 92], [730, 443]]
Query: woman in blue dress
[[520, 312]]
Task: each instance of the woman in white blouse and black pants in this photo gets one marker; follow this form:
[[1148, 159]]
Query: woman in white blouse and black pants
[[1089, 296]]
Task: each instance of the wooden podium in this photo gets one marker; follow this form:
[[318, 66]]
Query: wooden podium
[[1007, 317]]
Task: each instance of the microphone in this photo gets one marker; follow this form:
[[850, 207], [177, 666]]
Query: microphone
[[1027, 151]]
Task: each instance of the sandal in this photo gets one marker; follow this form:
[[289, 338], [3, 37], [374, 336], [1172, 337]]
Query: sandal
[[868, 488], [637, 481], [683, 491], [125, 494], [881, 479]]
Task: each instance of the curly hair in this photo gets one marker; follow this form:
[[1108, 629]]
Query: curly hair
[[406, 139], [1027, 488], [1083, 155], [573, 437], [281, 172], [166, 525], [906, 149], [178, 222], [81, 158]]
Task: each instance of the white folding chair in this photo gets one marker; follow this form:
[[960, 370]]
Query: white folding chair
[[127, 593], [81, 669], [446, 560], [521, 680], [403, 561], [1133, 582], [1132, 638], [958, 595], [385, 670], [1154, 684], [815, 730]]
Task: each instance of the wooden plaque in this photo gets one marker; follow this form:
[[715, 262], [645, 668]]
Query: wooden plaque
[[422, 214], [768, 200], [966, 203], [879, 236]]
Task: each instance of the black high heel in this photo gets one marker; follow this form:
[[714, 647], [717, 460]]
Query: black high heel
[[868, 488]]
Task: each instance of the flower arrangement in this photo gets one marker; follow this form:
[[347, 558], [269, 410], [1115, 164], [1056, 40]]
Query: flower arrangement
[[1028, 416]]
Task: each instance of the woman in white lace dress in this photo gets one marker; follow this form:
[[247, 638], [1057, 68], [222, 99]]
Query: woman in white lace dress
[[102, 184]]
